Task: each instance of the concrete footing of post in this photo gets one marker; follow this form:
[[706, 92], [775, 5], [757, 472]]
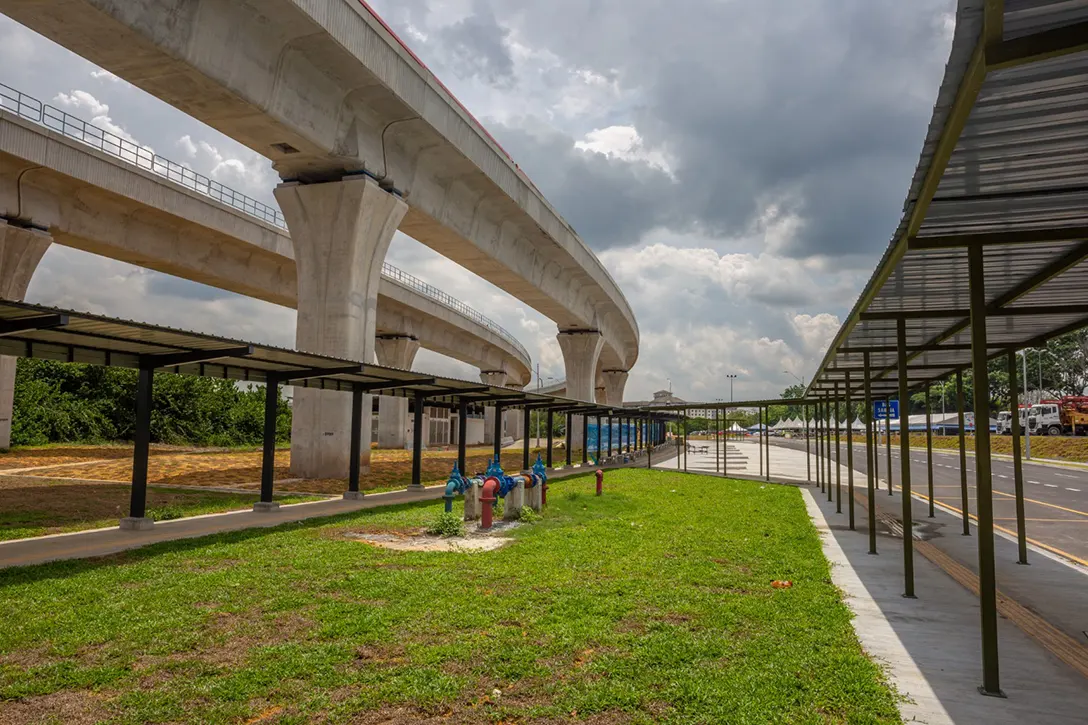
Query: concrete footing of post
[[266, 507], [353, 495], [134, 523], [514, 502]]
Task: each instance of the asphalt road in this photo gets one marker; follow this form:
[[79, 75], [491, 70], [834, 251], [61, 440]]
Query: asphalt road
[[1055, 499]]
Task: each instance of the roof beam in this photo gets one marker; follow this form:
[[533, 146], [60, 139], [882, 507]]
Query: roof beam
[[1025, 236], [1038, 46], [283, 376], [37, 322], [170, 359]]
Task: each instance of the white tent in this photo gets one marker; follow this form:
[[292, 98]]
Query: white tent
[[858, 425], [736, 428]]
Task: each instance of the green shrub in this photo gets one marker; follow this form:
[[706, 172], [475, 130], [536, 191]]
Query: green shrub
[[73, 403], [446, 525], [527, 515], [166, 513]]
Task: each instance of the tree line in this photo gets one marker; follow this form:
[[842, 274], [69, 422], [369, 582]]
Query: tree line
[[73, 403]]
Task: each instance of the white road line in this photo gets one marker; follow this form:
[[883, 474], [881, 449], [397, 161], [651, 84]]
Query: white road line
[[1050, 485], [1073, 489], [1035, 482], [1001, 475], [1065, 475]]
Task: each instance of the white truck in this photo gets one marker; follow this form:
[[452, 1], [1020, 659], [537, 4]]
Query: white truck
[[1004, 421], [1068, 416]]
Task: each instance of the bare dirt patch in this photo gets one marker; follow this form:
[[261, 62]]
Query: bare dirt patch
[[71, 708], [472, 541]]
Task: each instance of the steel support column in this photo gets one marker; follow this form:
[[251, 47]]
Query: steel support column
[[417, 441], [904, 461], [498, 431], [808, 448], [355, 445], [849, 454], [963, 454], [767, 438], [550, 421], [526, 424], [830, 477], [585, 439], [870, 452], [929, 451], [599, 434], [816, 425], [838, 453], [137, 505], [888, 437], [991, 680], [1017, 463], [462, 435]]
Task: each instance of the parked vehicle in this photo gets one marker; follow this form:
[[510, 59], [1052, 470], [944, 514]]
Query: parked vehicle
[[1004, 421], [1068, 416]]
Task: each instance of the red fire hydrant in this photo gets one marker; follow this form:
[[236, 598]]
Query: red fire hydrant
[[487, 501], [600, 480]]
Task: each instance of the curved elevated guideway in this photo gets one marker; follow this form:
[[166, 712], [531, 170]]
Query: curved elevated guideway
[[367, 140], [145, 212]]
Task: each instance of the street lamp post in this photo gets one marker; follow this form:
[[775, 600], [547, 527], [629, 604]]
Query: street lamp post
[[731, 377]]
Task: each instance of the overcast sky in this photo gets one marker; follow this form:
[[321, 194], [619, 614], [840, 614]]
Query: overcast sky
[[738, 166]]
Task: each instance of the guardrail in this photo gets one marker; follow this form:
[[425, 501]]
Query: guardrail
[[77, 129]]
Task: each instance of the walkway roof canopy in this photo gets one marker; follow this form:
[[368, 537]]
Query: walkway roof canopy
[[65, 336], [1004, 167]]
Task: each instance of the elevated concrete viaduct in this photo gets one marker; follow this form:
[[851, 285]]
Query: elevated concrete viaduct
[[83, 198], [346, 112]]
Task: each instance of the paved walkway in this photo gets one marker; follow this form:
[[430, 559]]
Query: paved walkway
[[741, 460]]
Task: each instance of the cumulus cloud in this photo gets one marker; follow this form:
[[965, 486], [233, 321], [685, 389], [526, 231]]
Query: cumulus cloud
[[82, 103]]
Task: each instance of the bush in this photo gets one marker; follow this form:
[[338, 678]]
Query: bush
[[166, 513], [527, 515], [73, 403], [446, 525]]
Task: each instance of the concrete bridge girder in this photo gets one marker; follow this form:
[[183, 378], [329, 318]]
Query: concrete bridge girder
[[323, 88]]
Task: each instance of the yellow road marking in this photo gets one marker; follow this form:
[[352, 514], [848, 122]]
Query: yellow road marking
[[1010, 532], [1058, 643], [1043, 503]]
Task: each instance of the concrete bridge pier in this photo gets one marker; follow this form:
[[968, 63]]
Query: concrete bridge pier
[[581, 349], [491, 377], [614, 383], [20, 251], [340, 231], [396, 352]]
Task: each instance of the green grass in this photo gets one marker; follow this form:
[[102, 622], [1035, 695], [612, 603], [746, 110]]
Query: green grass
[[652, 603], [62, 507]]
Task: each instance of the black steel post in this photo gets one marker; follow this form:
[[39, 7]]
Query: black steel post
[[904, 460], [137, 506], [818, 444], [498, 431], [830, 476], [963, 453], [549, 421], [684, 426], [462, 436], [569, 435], [599, 433], [888, 438], [417, 441], [356, 443], [609, 423], [585, 439], [991, 680], [838, 453], [870, 452], [808, 448], [929, 451], [526, 423], [268, 453], [767, 438], [849, 454], [1017, 464]]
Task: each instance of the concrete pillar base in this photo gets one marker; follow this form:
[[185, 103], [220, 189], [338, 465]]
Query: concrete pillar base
[[265, 507], [491, 377], [536, 498], [614, 383], [472, 503], [515, 500], [414, 487], [340, 231], [353, 495], [132, 523]]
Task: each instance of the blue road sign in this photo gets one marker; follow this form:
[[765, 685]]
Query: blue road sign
[[880, 412]]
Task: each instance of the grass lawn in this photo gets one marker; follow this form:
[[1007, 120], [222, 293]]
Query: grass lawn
[[34, 508], [651, 604]]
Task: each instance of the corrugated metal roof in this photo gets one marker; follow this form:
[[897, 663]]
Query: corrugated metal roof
[[1015, 181], [70, 336]]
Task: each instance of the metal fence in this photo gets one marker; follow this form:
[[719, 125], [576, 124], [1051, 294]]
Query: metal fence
[[76, 128]]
